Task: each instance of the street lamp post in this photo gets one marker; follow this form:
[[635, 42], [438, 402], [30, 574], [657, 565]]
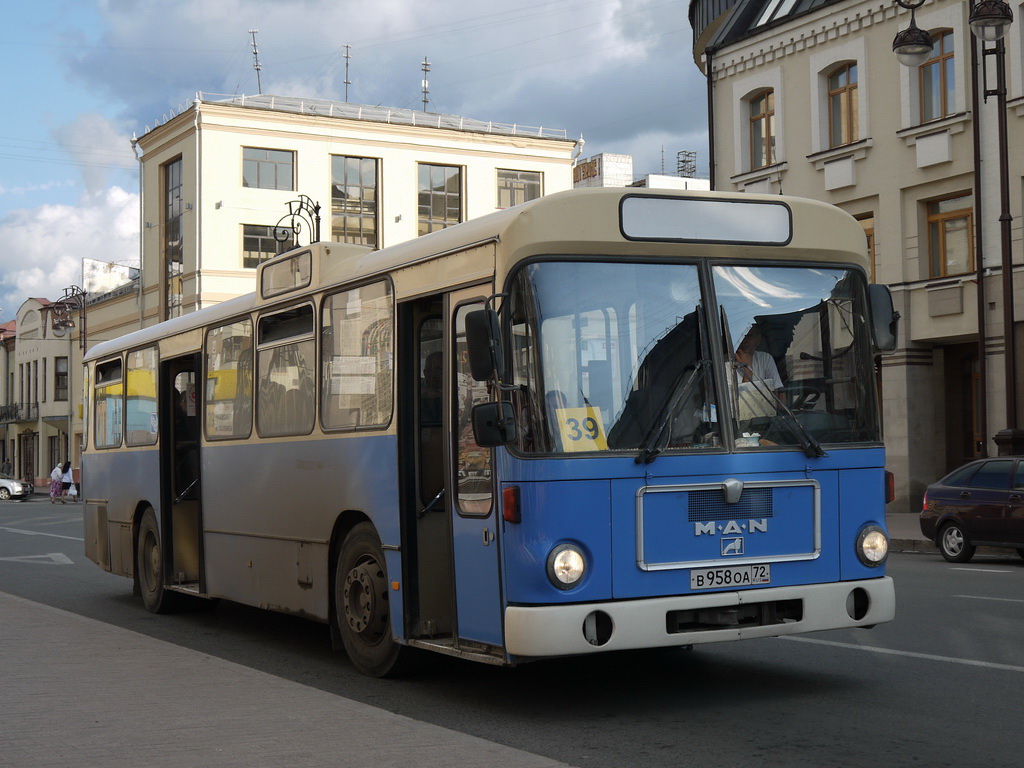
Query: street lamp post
[[989, 20]]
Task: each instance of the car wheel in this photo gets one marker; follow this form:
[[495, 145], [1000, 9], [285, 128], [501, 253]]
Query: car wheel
[[953, 544], [5, 493], [1021, 551], [362, 604]]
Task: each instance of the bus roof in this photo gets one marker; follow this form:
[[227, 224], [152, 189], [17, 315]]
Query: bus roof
[[619, 221]]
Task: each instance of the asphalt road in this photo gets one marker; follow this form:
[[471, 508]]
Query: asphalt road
[[940, 686]]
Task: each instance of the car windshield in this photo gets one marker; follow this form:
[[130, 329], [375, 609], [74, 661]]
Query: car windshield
[[612, 356]]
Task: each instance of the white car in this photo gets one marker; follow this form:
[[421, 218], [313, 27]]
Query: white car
[[13, 489]]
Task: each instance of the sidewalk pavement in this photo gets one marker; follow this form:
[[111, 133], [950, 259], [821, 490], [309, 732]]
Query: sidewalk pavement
[[905, 533], [78, 692]]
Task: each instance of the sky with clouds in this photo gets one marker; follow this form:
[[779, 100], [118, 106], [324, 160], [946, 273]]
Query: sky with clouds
[[91, 73]]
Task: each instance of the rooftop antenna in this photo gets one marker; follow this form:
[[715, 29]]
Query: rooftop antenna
[[256, 60], [426, 83], [347, 57]]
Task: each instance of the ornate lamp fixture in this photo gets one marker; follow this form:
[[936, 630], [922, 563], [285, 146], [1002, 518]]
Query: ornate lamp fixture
[[990, 19], [913, 45]]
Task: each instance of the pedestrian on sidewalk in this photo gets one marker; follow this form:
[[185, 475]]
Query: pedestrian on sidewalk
[[66, 479], [5, 468], [55, 482]]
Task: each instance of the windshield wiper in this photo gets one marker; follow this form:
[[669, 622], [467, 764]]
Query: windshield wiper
[[812, 448], [654, 444]]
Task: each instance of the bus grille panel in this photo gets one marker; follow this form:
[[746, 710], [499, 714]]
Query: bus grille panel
[[710, 504]]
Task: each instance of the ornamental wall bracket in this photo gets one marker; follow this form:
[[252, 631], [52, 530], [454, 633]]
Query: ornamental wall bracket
[[301, 213]]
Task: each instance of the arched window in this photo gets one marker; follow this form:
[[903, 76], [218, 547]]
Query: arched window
[[762, 129], [938, 81], [842, 105]]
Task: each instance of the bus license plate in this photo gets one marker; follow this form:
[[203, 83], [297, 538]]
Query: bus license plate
[[735, 576]]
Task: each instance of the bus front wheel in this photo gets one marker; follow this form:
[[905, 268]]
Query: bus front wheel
[[361, 603], [149, 572]]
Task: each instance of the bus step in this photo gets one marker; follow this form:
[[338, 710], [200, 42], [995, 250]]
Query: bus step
[[492, 654]]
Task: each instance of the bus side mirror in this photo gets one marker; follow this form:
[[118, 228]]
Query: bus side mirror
[[494, 424], [483, 341], [884, 319]]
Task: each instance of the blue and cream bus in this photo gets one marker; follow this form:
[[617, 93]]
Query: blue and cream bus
[[605, 419]]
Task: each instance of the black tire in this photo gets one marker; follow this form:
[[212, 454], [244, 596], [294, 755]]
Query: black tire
[[362, 609], [149, 572], [1021, 551], [954, 544], [5, 494]]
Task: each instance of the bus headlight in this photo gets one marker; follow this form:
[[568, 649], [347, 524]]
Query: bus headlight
[[566, 566], [872, 546]]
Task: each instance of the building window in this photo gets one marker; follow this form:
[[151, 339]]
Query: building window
[[938, 79], [260, 243], [516, 187], [842, 105], [174, 259], [60, 378], [762, 129], [54, 450], [950, 236], [354, 200], [440, 197], [268, 168]]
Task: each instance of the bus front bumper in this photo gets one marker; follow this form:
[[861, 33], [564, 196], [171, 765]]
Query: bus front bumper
[[562, 630]]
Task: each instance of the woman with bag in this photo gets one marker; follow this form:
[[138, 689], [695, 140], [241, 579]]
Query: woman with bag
[[56, 484], [66, 481]]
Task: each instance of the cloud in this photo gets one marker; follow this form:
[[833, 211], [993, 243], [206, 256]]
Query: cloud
[[41, 249], [99, 146]]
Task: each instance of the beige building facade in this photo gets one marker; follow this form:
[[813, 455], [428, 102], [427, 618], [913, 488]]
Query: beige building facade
[[807, 98], [220, 178]]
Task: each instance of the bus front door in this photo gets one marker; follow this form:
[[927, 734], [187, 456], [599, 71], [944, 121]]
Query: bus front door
[[473, 508], [180, 457]]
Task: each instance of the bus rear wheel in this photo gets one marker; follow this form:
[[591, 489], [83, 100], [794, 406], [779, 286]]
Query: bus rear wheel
[[149, 572], [361, 603]]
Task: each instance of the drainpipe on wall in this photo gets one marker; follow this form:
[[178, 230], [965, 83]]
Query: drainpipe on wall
[[140, 296], [708, 58], [197, 122]]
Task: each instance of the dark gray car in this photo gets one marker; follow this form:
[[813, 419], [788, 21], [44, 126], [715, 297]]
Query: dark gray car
[[979, 504]]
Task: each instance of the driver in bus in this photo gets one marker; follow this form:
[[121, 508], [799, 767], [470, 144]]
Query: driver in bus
[[757, 377]]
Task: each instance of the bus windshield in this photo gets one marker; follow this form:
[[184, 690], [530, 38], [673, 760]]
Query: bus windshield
[[613, 356]]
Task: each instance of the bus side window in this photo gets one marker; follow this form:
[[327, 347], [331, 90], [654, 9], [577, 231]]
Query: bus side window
[[356, 345], [229, 381], [287, 365]]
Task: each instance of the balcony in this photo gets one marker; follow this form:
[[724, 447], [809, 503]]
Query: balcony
[[19, 412]]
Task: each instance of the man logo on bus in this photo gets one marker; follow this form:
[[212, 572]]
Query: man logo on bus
[[731, 527], [732, 546]]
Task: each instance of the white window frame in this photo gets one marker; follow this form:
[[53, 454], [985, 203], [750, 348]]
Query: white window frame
[[823, 64], [743, 90]]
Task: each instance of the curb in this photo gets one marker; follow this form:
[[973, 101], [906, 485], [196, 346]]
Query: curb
[[928, 547], [912, 545]]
